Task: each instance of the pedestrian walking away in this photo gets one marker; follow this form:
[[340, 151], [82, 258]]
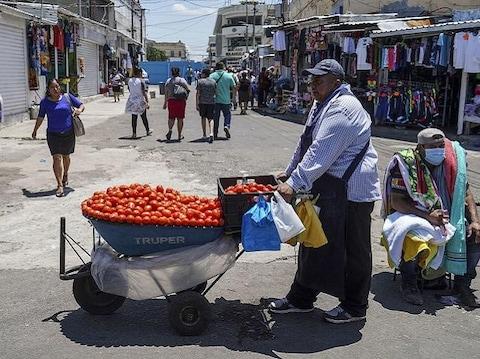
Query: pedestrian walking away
[[225, 84], [335, 161], [425, 189], [243, 93], [176, 95], [206, 88], [60, 133], [116, 80], [137, 103]]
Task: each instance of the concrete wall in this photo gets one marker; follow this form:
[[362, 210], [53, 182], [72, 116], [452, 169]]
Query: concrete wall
[[300, 9], [159, 71]]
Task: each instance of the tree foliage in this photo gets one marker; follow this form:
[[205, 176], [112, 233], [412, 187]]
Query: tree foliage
[[154, 54]]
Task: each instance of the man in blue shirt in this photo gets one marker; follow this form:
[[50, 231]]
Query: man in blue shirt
[[225, 83], [335, 161]]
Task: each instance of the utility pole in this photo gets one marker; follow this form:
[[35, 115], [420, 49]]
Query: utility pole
[[254, 22], [246, 27], [131, 12]]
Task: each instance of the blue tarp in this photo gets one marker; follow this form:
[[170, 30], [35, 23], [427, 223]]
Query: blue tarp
[[159, 71]]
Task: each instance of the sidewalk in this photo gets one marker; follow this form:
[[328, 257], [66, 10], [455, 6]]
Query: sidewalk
[[97, 110]]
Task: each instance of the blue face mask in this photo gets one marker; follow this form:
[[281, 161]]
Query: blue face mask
[[434, 156]]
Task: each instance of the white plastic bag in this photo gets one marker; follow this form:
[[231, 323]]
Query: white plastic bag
[[286, 220], [175, 270]]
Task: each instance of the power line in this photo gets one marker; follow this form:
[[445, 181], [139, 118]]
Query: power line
[[185, 28], [176, 22]]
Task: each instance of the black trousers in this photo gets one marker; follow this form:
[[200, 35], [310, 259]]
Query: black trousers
[[144, 120], [358, 264]]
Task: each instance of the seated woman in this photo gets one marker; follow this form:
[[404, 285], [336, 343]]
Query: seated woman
[[425, 192]]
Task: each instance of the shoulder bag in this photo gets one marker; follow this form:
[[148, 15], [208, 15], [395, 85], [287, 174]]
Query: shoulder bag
[[78, 127]]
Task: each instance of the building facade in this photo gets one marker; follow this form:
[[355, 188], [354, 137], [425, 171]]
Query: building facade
[[173, 50], [239, 29]]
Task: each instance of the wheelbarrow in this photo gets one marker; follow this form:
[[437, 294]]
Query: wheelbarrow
[[188, 310]]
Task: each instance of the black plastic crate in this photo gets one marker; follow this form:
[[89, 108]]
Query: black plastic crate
[[235, 205]]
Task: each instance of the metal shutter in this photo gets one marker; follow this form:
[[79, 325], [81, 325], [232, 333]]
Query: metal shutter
[[89, 85], [13, 71]]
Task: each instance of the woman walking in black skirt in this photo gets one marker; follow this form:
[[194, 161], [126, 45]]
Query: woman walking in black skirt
[[60, 134]]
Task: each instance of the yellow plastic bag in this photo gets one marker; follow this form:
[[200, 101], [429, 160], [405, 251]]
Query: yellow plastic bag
[[313, 236]]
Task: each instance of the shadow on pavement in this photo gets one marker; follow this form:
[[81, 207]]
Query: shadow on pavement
[[199, 140], [386, 291], [31, 194], [131, 138], [234, 325]]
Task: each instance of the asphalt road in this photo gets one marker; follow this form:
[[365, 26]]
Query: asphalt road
[[40, 318]]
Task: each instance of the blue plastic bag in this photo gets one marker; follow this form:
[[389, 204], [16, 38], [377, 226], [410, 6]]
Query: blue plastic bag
[[258, 228]]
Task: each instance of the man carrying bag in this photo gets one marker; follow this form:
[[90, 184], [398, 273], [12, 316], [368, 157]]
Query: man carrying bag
[[335, 160]]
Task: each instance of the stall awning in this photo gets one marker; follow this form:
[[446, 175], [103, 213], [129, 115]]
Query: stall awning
[[425, 29]]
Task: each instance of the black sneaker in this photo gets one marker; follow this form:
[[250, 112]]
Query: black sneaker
[[411, 294], [339, 316], [227, 132], [281, 306], [466, 296]]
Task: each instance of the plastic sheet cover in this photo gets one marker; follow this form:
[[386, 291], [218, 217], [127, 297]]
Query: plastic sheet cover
[[175, 270]]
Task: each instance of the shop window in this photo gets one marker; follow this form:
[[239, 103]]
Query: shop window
[[172, 53]]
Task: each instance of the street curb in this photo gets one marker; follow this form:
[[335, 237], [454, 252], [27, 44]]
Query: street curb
[[289, 117]]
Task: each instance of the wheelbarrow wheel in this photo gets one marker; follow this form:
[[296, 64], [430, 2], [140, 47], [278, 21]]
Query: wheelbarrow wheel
[[91, 299], [189, 313]]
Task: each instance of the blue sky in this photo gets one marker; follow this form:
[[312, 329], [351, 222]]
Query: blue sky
[[190, 21]]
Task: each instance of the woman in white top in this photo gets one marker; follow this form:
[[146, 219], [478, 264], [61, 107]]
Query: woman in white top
[[137, 103]]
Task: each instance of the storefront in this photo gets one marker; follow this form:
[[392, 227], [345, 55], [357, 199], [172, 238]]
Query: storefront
[[429, 75], [14, 72]]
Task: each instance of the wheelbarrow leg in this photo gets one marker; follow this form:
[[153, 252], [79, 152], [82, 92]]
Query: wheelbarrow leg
[[221, 275]]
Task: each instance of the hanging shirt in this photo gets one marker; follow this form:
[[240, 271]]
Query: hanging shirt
[[348, 45], [58, 38], [421, 52], [459, 47], [279, 41], [472, 54], [443, 53], [361, 51]]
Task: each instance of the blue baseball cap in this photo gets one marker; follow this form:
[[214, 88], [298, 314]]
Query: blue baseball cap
[[327, 66]]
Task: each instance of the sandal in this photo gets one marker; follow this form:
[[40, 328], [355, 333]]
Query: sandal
[[59, 192], [169, 135], [65, 181]]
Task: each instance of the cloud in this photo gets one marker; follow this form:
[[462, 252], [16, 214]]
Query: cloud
[[183, 10]]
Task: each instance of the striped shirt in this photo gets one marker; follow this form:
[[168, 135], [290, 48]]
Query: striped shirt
[[338, 136]]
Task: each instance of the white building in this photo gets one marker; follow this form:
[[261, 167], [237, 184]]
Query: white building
[[234, 25]]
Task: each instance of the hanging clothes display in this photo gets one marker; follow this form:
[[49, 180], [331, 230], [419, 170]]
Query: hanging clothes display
[[364, 46], [472, 54], [279, 43]]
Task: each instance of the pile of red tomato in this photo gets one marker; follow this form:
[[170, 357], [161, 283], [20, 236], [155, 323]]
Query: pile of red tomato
[[145, 204], [252, 187]]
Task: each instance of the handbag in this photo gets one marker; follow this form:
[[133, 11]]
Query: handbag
[[78, 127], [286, 220], [258, 229]]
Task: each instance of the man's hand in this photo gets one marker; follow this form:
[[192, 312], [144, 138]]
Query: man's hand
[[437, 217], [282, 176], [474, 229], [286, 191]]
